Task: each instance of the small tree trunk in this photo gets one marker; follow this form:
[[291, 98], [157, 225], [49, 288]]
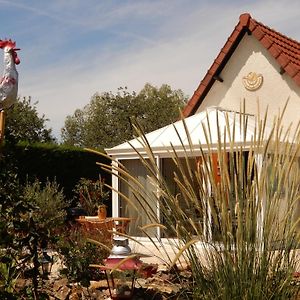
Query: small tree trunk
[[35, 269], [2, 125]]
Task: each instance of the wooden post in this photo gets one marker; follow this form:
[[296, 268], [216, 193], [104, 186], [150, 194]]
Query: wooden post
[[2, 125]]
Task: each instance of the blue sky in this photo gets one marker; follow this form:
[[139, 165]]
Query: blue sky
[[73, 49]]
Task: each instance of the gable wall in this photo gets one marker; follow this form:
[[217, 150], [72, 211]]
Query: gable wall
[[250, 56]]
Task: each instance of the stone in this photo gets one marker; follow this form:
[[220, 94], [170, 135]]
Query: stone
[[60, 283], [63, 293]]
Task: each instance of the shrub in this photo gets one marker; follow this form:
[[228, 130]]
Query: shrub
[[65, 165], [29, 217], [49, 202], [9, 273], [78, 254]]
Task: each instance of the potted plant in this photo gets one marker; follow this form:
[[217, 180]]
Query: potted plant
[[93, 196], [102, 211]]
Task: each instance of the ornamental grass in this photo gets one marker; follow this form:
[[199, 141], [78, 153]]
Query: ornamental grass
[[237, 225]]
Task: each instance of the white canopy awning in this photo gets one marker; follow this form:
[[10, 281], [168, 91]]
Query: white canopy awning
[[204, 128]]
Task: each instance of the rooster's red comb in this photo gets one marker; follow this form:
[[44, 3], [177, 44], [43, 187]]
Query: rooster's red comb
[[7, 43]]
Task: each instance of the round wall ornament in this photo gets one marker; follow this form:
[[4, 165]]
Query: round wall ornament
[[252, 81]]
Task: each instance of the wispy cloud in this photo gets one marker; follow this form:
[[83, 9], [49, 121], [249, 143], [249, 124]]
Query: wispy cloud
[[71, 49]]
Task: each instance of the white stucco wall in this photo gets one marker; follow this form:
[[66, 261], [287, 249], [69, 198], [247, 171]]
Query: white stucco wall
[[250, 56]]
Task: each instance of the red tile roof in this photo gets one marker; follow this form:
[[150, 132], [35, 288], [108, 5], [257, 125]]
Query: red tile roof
[[285, 50]]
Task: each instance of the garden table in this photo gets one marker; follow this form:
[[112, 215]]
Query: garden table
[[119, 224]]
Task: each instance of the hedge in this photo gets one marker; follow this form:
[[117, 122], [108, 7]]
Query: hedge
[[48, 161]]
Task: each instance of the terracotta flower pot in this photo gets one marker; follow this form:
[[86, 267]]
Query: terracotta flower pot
[[102, 212]]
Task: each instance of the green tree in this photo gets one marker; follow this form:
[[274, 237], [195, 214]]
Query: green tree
[[24, 124], [106, 120]]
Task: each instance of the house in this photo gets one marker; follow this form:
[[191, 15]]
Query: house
[[256, 62]]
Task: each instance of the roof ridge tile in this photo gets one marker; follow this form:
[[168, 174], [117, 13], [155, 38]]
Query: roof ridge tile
[[275, 32]]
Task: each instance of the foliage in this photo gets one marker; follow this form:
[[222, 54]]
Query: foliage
[[11, 206], [43, 220], [14, 232], [78, 254], [24, 124], [238, 234], [106, 120], [65, 165], [22, 230], [91, 194], [50, 205], [9, 273]]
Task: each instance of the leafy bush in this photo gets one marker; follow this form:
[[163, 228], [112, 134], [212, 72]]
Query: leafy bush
[[78, 254], [9, 273], [12, 210], [49, 202], [29, 217]]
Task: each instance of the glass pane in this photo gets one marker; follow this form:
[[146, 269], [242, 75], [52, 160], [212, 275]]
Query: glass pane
[[142, 204], [169, 172]]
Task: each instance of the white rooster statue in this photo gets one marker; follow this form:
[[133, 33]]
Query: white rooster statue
[[9, 80]]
